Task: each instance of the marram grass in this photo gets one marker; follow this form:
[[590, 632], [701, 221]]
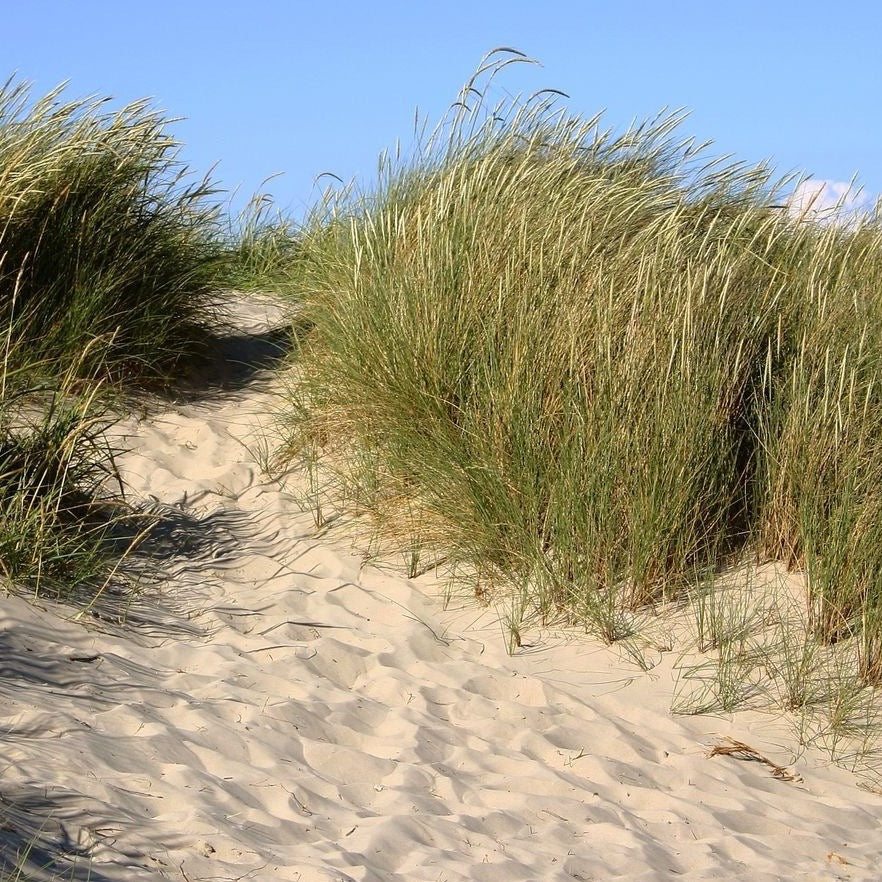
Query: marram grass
[[103, 237], [109, 263], [597, 369], [61, 500]]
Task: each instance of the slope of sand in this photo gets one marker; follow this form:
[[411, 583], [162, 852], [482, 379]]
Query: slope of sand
[[277, 710]]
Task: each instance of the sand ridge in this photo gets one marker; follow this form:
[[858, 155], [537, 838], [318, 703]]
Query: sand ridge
[[278, 710]]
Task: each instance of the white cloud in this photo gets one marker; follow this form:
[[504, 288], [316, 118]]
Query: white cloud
[[830, 201]]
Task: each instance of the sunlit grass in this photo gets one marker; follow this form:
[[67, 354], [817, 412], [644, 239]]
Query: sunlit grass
[[103, 237], [110, 261], [553, 339], [598, 371], [262, 244]]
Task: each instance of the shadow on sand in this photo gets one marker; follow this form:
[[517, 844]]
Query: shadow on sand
[[36, 842], [231, 360], [156, 546]]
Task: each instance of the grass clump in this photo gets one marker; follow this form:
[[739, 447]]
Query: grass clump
[[600, 372], [110, 260], [62, 500], [552, 342], [821, 475], [102, 237]]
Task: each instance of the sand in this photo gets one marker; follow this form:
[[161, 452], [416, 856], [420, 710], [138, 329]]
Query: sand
[[276, 708]]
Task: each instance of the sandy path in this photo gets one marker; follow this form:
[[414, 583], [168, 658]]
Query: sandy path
[[283, 712]]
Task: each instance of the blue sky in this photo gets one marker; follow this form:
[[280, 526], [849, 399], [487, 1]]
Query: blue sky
[[304, 88]]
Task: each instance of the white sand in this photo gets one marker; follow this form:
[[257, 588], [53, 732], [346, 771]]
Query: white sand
[[282, 712]]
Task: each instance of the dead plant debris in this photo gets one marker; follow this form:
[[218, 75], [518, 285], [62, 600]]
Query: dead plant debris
[[740, 750]]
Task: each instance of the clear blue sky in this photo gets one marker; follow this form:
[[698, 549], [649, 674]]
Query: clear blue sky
[[302, 88]]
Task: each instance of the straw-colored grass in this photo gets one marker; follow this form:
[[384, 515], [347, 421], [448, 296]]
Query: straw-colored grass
[[110, 258], [598, 370], [106, 245]]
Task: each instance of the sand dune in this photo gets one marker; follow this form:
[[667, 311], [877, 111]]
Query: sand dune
[[278, 710]]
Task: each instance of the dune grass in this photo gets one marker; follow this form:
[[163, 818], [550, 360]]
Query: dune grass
[[551, 340], [63, 505], [111, 257], [104, 238], [261, 246], [598, 371]]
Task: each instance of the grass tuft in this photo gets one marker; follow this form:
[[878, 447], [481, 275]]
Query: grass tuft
[[599, 372], [103, 237], [110, 262], [62, 498]]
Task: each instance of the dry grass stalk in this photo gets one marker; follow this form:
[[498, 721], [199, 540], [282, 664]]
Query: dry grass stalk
[[742, 751]]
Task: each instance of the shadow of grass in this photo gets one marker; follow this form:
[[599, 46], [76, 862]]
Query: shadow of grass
[[232, 362], [158, 555], [47, 836]]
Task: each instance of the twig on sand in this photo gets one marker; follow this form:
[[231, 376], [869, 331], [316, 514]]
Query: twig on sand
[[742, 751]]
